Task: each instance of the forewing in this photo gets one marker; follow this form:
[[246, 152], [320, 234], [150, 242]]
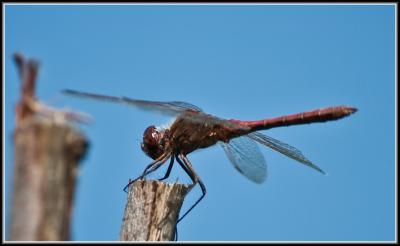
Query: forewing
[[174, 108], [283, 148], [247, 158], [170, 108], [185, 106]]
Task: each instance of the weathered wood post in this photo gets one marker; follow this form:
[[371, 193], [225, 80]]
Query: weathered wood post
[[47, 149], [152, 210]]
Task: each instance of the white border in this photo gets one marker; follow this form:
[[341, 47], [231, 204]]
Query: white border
[[197, 4]]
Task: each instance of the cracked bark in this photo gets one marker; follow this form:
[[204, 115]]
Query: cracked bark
[[152, 210]]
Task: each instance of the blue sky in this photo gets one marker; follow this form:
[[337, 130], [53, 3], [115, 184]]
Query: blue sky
[[234, 61]]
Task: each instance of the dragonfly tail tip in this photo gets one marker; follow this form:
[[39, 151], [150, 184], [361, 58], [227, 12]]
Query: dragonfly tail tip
[[350, 110]]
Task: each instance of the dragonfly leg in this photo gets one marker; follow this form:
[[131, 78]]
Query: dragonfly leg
[[195, 179], [150, 168], [169, 169]]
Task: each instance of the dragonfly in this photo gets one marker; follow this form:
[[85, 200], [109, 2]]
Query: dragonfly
[[194, 129]]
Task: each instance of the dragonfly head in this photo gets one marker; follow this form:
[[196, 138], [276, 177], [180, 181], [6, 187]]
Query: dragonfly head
[[152, 143]]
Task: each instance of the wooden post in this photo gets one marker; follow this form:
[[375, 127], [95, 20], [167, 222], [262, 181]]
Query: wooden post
[[46, 155], [152, 210]]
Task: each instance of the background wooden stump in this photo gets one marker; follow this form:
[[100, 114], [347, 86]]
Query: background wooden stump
[[46, 156], [47, 149]]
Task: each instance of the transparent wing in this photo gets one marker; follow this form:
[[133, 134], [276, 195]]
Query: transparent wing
[[170, 108], [174, 108], [247, 158], [283, 148], [185, 106]]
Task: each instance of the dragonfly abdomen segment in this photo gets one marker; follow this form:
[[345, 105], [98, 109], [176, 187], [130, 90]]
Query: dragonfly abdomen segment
[[319, 115]]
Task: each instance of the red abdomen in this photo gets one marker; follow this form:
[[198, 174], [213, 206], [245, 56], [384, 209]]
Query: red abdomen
[[319, 115]]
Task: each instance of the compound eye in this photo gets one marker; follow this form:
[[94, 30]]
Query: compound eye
[[150, 144], [150, 135], [155, 134]]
